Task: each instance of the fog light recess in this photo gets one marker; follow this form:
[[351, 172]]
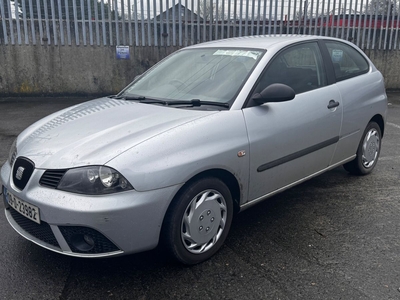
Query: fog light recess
[[83, 242], [87, 240]]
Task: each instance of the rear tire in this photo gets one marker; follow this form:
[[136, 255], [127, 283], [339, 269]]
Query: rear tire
[[198, 220], [368, 151]]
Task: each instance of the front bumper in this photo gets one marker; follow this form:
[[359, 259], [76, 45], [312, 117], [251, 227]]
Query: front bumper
[[117, 224]]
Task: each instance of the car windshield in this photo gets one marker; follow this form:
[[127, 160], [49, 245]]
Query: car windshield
[[209, 75]]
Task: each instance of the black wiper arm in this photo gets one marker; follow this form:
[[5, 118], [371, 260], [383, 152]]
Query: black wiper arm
[[127, 97], [198, 102], [152, 101]]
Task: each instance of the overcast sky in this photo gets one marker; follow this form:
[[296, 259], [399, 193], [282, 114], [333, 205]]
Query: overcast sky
[[314, 7], [352, 6]]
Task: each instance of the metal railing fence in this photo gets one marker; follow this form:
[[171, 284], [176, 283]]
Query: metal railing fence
[[370, 24]]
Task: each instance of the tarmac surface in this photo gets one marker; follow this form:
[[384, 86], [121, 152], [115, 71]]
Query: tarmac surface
[[336, 236]]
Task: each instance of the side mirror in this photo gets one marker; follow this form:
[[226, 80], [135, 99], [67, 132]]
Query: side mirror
[[276, 92]]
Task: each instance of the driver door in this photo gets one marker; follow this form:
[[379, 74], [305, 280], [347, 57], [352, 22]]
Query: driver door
[[292, 140]]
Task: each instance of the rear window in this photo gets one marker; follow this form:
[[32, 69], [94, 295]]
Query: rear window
[[347, 61]]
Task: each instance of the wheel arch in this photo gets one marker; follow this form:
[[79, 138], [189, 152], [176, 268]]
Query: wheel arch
[[225, 176], [380, 121]]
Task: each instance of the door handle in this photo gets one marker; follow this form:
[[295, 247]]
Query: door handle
[[333, 104]]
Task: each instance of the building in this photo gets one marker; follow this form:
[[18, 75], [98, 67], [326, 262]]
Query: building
[[179, 11]]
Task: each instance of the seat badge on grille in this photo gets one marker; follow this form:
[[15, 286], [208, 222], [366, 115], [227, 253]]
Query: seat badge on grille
[[20, 172]]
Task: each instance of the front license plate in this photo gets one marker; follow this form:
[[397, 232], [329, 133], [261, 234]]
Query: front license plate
[[24, 208]]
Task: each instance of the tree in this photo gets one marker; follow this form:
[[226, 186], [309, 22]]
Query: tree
[[67, 6], [209, 8], [382, 7], [5, 5]]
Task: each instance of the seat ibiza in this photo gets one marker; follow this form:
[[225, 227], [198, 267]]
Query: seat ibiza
[[208, 132]]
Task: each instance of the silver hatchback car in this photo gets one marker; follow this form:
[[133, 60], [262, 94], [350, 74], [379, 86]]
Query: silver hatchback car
[[207, 132]]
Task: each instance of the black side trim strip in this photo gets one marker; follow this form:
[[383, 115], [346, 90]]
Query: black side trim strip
[[298, 154]]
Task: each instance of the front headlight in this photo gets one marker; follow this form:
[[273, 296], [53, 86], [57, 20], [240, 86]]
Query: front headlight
[[13, 152], [94, 180]]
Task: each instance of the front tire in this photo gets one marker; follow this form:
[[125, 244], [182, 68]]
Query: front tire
[[198, 220], [368, 151]]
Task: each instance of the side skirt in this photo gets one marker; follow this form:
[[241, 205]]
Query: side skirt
[[259, 199]]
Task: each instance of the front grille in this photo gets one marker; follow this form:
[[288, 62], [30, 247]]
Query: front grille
[[40, 231], [101, 243], [13, 156], [51, 178], [22, 172]]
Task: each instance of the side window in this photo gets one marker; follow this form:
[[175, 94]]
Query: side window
[[347, 61], [299, 67]]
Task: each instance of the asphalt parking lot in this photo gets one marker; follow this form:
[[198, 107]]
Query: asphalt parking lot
[[336, 236]]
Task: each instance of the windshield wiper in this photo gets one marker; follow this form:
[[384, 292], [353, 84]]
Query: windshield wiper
[[127, 97], [141, 99], [197, 102], [152, 101], [193, 102]]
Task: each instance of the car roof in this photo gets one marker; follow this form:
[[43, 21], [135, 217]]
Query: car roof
[[258, 42]]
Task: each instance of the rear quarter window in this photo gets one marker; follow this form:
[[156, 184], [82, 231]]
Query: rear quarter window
[[347, 61]]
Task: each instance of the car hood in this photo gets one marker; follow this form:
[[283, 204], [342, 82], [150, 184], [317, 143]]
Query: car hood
[[97, 131]]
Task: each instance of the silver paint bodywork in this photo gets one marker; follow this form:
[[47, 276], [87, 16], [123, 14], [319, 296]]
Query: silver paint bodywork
[[158, 149]]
